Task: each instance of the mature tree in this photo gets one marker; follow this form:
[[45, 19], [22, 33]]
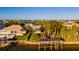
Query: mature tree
[[69, 34], [51, 27]]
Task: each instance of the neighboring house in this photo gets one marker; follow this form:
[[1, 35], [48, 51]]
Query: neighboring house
[[36, 28], [68, 24], [11, 31]]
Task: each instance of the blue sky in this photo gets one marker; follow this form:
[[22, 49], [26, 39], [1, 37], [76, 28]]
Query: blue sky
[[39, 13]]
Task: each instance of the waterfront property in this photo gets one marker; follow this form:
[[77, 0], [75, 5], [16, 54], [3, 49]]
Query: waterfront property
[[51, 43], [36, 28], [11, 31]]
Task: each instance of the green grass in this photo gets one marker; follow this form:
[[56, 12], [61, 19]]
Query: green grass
[[24, 37]]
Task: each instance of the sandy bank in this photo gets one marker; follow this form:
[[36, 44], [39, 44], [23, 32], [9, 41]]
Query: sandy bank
[[28, 42], [37, 42]]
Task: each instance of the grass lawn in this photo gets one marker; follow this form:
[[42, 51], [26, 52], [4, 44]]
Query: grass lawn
[[24, 37]]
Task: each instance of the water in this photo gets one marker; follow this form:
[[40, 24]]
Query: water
[[71, 47], [1, 25], [16, 47]]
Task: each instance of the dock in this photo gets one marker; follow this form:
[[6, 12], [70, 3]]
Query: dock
[[52, 44]]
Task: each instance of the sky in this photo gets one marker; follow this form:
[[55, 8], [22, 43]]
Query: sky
[[38, 13]]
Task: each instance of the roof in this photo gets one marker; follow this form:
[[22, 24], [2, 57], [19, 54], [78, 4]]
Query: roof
[[13, 27], [16, 28], [52, 39], [34, 26]]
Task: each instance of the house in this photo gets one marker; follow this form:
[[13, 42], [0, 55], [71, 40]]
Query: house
[[12, 31], [68, 24], [36, 28]]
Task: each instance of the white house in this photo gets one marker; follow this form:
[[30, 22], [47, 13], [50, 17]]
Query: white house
[[34, 26], [12, 30], [68, 24]]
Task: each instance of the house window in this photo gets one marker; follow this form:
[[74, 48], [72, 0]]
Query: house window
[[13, 31]]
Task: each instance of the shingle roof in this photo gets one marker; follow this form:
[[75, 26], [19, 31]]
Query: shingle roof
[[12, 27], [35, 26], [7, 30]]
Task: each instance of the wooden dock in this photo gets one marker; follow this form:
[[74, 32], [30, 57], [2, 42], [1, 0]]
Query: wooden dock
[[54, 45]]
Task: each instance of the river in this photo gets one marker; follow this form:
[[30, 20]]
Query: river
[[16, 47], [1, 25]]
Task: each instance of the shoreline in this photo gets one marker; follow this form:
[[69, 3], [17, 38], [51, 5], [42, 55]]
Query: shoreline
[[28, 42], [24, 42], [37, 42]]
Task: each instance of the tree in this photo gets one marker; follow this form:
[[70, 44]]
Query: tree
[[51, 27], [69, 34]]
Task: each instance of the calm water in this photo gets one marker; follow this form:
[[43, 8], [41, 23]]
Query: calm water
[[15, 47], [1, 25], [71, 47]]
